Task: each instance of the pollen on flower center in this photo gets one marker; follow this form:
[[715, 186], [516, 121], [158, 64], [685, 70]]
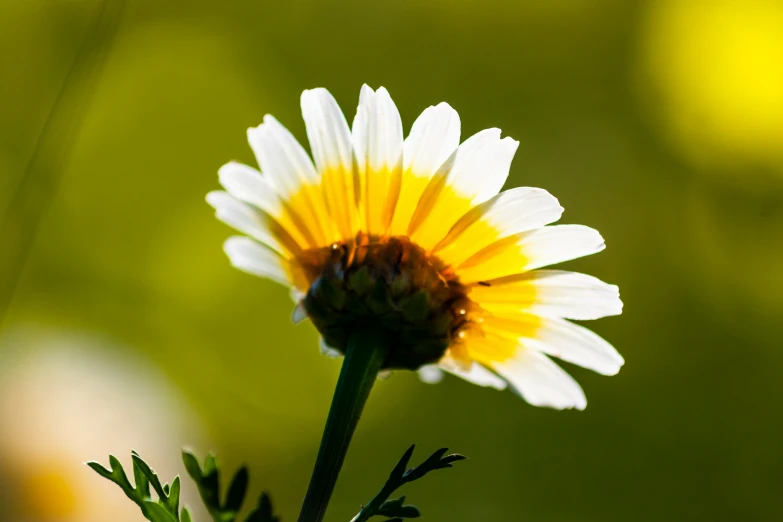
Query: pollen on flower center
[[389, 284]]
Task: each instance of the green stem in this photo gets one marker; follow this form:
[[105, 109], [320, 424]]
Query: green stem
[[363, 360]]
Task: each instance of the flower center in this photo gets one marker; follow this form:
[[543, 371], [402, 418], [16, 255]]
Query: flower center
[[388, 284]]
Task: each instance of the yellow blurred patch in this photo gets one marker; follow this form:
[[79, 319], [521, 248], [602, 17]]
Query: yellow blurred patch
[[717, 66], [48, 494]]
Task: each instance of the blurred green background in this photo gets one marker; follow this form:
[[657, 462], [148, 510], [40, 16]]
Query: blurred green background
[[660, 123]]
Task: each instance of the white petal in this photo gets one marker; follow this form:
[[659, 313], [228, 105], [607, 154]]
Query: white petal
[[281, 157], [530, 250], [511, 212], [328, 350], [242, 217], [248, 185], [296, 295], [473, 174], [377, 131], [330, 142], [377, 142], [430, 374], [481, 165], [299, 314], [575, 344], [572, 295], [559, 243], [254, 258], [288, 169], [327, 130], [540, 381], [476, 374], [433, 138]]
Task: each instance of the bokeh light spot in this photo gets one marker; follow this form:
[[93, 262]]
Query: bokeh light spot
[[48, 494], [716, 67]]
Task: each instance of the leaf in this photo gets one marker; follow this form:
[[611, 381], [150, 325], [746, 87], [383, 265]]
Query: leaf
[[208, 482], [158, 513], [210, 464], [192, 466], [381, 505], [263, 513], [150, 474], [399, 470], [165, 509], [209, 485], [207, 479], [100, 470], [454, 457], [433, 462], [395, 508], [117, 475], [173, 500], [142, 482], [396, 502], [237, 490]]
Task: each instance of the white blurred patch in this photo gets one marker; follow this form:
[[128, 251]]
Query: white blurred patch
[[430, 374], [67, 398]]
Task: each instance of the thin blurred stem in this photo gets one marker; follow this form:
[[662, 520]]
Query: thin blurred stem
[[52, 150], [363, 359]]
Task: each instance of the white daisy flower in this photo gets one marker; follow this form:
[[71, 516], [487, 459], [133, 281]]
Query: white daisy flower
[[413, 238]]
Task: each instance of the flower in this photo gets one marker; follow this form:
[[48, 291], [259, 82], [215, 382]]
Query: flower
[[413, 237]]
